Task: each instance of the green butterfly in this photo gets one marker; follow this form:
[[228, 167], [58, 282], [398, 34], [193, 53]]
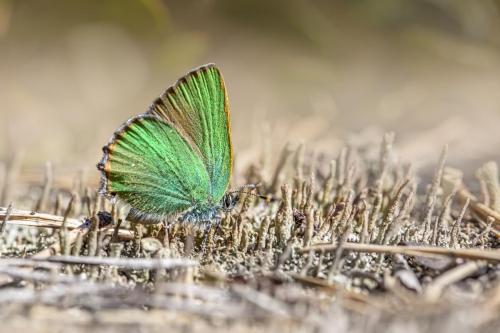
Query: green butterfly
[[175, 160]]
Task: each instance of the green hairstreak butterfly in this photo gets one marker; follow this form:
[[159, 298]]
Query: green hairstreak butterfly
[[175, 160]]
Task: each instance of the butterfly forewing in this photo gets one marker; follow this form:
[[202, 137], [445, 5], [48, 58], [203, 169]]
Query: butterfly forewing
[[154, 169], [177, 156], [197, 106]]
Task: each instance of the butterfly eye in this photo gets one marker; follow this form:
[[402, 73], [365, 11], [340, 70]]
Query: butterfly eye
[[227, 201]]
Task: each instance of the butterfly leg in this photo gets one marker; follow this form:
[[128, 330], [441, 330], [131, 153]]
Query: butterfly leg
[[167, 227], [206, 238], [213, 224], [218, 229]]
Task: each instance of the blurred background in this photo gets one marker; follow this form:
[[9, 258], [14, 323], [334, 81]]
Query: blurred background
[[328, 73]]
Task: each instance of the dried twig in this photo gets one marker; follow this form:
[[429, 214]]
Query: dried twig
[[35, 276], [437, 286], [480, 209], [125, 263], [6, 218], [34, 219], [263, 301], [417, 251], [42, 220]]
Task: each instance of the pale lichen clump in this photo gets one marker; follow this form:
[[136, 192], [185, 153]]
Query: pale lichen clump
[[333, 232]]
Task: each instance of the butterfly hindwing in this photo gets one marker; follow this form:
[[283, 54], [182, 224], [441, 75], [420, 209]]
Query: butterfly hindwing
[[155, 170], [197, 106]]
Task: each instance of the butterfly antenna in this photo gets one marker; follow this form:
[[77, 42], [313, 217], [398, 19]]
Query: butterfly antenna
[[251, 187], [260, 196], [256, 195]]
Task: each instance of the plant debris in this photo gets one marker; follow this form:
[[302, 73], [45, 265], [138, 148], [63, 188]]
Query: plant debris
[[345, 244]]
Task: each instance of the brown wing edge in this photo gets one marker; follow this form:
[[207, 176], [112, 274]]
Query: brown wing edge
[[229, 133], [103, 164], [170, 89]]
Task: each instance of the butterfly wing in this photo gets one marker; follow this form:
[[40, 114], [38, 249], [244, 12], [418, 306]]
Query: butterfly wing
[[197, 106], [151, 167]]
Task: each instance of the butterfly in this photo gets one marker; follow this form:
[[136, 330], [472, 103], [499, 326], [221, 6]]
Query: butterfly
[[176, 159]]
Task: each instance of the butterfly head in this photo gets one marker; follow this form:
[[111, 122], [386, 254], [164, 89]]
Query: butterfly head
[[230, 200]]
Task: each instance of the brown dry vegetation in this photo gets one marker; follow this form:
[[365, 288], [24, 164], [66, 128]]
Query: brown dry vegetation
[[354, 244]]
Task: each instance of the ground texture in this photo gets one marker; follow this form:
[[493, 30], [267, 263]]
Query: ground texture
[[351, 244]]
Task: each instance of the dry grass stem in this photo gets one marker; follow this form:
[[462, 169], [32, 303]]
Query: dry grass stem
[[423, 251]]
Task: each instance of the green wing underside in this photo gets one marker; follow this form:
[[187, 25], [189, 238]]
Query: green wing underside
[[151, 167], [197, 107]]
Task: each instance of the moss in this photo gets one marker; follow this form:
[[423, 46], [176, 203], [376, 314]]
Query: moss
[[255, 258]]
